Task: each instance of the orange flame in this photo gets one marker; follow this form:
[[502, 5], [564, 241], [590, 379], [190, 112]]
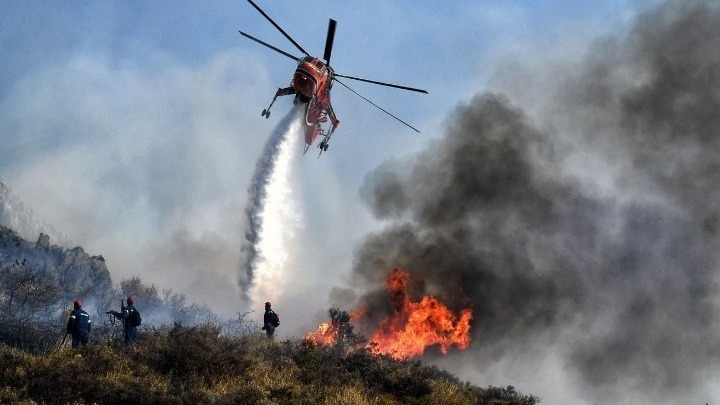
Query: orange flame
[[327, 333], [324, 335], [413, 327]]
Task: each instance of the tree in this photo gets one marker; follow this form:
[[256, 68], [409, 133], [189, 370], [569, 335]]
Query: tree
[[347, 339], [30, 306]]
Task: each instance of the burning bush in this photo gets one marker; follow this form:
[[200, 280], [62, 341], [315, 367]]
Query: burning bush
[[412, 327], [338, 332]]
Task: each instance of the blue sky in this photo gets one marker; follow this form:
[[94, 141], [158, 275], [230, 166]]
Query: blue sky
[[134, 127]]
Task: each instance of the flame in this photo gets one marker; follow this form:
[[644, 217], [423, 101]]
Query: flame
[[413, 326], [327, 333]]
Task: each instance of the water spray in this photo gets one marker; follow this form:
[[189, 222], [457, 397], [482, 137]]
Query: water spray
[[271, 216]]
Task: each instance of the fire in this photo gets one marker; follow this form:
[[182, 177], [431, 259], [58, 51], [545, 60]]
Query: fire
[[327, 333], [413, 326]]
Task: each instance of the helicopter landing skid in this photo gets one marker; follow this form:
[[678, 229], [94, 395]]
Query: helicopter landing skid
[[325, 144]]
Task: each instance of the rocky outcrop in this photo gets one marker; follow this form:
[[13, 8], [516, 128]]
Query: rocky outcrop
[[75, 272], [84, 272]]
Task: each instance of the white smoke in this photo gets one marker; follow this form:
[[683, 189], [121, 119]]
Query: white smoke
[[273, 214]]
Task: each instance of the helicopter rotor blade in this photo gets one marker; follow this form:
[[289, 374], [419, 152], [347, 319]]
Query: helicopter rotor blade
[[329, 41], [278, 27], [397, 86], [381, 109], [295, 58]]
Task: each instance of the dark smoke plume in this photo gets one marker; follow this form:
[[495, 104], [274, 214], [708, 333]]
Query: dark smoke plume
[[624, 283], [257, 194]]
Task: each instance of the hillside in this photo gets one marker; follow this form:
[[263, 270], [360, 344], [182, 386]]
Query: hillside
[[73, 271], [185, 354], [192, 365], [39, 282]]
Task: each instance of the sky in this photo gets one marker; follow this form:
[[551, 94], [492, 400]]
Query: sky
[[135, 129]]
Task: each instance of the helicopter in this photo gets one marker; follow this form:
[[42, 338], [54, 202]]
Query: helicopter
[[311, 84]]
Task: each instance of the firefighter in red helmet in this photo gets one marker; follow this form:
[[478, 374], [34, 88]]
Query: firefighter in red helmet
[[79, 325], [131, 319], [271, 320]]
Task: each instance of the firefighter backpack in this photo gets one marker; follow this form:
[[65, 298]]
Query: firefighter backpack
[[134, 318]]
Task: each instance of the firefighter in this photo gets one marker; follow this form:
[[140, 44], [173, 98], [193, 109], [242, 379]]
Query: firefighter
[[270, 320], [130, 318], [79, 325]]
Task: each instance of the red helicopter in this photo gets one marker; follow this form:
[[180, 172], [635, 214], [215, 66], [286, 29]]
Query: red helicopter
[[311, 85]]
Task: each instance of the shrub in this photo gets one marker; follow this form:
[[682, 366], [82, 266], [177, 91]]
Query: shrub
[[198, 364]]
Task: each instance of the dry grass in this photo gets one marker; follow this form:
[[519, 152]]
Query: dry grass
[[188, 365]]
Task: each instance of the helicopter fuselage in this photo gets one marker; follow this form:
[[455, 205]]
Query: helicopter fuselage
[[312, 82]]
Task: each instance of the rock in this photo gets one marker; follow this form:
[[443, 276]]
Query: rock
[[43, 241], [75, 272]]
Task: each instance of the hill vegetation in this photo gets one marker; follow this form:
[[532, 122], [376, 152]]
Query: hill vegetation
[[203, 364]]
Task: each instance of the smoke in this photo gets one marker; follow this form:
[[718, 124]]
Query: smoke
[[271, 214], [581, 226]]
